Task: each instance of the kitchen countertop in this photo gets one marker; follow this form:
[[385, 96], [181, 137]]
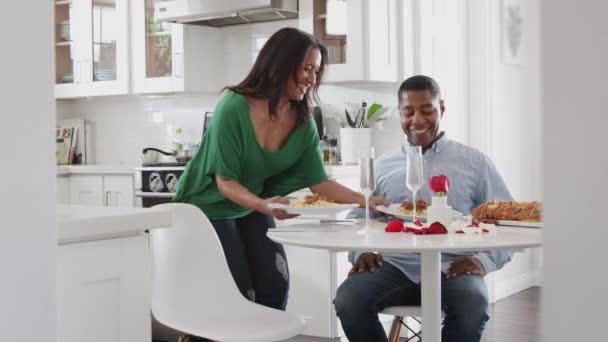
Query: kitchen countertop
[[84, 223], [95, 169]]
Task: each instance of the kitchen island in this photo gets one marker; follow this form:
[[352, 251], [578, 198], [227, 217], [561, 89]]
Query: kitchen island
[[103, 272]]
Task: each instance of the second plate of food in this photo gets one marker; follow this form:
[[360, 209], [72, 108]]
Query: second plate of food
[[395, 209]]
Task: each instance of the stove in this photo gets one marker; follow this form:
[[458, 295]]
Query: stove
[[155, 183]]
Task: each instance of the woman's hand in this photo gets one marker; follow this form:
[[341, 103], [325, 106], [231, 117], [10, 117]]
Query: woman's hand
[[366, 260], [279, 214], [375, 201]]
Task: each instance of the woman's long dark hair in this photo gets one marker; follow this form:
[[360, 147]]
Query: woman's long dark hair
[[277, 64]]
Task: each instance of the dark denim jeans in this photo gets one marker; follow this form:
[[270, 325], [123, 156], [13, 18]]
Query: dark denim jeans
[[362, 295], [258, 264]]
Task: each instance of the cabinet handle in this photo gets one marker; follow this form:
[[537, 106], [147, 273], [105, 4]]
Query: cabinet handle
[[107, 201], [77, 72], [179, 64]]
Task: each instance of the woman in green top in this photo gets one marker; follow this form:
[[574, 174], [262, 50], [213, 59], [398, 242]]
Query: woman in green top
[[261, 146]]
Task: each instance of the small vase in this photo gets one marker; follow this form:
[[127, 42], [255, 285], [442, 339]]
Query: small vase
[[439, 211], [352, 142]]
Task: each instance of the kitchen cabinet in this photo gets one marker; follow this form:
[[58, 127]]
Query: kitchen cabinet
[[103, 291], [101, 190], [91, 48], [118, 191], [62, 190], [168, 57], [361, 37]]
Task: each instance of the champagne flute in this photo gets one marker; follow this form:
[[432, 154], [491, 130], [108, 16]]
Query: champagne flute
[[414, 179], [367, 179]]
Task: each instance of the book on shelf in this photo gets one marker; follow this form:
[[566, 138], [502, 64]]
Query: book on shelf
[[65, 142]]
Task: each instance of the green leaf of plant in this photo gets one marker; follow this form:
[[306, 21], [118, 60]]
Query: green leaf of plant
[[373, 109]]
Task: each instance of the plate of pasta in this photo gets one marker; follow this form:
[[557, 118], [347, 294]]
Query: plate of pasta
[[313, 204]]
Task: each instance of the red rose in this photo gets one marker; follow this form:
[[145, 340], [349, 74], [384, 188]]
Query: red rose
[[394, 226], [439, 184]]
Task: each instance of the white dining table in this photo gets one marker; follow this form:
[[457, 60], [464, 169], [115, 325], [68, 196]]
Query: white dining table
[[349, 237]]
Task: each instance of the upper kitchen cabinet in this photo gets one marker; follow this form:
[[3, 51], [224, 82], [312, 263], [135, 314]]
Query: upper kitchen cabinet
[[167, 57], [91, 48], [360, 35]]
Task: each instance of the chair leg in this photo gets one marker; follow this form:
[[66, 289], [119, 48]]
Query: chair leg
[[395, 329]]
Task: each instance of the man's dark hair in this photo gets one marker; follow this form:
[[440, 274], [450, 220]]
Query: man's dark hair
[[277, 64], [420, 82]]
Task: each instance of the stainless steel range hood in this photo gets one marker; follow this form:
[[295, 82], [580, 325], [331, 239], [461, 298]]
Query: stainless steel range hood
[[224, 12]]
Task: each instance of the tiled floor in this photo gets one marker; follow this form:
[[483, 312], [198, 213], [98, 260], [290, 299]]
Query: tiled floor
[[513, 319]]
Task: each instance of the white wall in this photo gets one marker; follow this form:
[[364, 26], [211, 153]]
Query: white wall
[[575, 51], [505, 112], [28, 242], [505, 120]]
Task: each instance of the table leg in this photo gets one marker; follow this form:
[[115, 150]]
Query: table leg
[[431, 296]]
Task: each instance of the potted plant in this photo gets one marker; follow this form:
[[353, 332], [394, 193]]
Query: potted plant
[[356, 122]]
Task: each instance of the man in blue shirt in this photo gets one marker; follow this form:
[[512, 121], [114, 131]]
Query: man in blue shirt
[[376, 280]]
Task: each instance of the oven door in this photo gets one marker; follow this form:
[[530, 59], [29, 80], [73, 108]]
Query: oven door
[[150, 199]]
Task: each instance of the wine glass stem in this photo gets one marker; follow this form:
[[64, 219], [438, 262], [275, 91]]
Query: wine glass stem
[[414, 202], [366, 211]]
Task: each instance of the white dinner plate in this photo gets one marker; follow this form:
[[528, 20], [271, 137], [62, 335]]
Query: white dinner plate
[[519, 223], [393, 210], [313, 210]]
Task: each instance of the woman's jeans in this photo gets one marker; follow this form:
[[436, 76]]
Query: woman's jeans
[[258, 264], [361, 296]]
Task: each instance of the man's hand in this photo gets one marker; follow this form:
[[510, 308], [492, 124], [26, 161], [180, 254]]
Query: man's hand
[[369, 260], [465, 265], [375, 201], [279, 214]]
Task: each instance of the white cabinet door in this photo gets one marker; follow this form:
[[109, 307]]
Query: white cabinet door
[[360, 35], [62, 190], [118, 191], [103, 291], [86, 190], [168, 57], [67, 51], [93, 59]]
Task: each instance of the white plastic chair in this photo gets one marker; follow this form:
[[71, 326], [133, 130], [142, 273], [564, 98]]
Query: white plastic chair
[[401, 312], [193, 290]]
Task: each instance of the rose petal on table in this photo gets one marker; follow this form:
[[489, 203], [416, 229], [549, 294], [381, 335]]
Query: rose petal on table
[[417, 223], [485, 230], [394, 226], [473, 225], [459, 231], [437, 228]]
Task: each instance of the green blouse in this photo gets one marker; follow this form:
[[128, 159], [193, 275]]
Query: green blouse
[[231, 150]]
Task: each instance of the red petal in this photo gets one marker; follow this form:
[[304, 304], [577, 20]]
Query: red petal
[[485, 230], [394, 226], [418, 223], [459, 232], [474, 225], [437, 228]]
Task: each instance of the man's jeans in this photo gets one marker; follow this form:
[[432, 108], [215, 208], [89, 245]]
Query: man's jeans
[[258, 264], [362, 295]]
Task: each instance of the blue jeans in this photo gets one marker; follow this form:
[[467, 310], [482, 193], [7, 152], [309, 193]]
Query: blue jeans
[[258, 264], [362, 295]]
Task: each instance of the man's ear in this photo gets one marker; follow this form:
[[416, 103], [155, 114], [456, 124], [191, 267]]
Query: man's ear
[[441, 108]]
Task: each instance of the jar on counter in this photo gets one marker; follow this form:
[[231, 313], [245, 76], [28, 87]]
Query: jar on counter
[[333, 151]]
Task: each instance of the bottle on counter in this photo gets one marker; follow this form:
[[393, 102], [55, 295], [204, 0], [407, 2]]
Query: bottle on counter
[[325, 147], [333, 151], [178, 140]]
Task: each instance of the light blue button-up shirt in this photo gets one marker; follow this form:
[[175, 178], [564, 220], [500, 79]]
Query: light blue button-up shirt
[[473, 181]]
